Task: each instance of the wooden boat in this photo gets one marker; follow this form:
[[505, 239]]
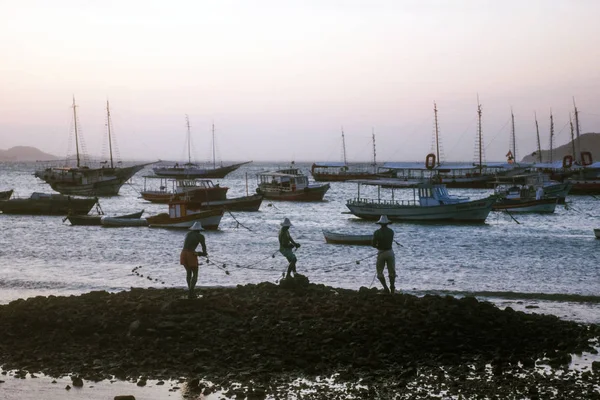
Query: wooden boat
[[597, 233], [191, 170], [344, 238], [47, 204], [200, 189], [524, 199], [430, 203], [289, 185], [180, 217], [342, 171], [82, 180], [244, 203], [123, 222], [6, 195], [97, 219]]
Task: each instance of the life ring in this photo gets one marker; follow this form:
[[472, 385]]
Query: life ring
[[586, 158], [430, 161], [567, 161]]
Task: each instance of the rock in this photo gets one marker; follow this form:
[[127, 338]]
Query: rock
[[77, 381]]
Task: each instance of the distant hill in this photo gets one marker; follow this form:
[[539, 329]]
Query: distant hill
[[588, 142], [25, 153]]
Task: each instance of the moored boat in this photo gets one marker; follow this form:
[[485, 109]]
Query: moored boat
[[97, 219], [524, 199], [47, 204], [289, 185], [430, 203], [123, 222], [200, 189], [179, 217], [346, 238], [192, 170], [5, 195], [83, 180]]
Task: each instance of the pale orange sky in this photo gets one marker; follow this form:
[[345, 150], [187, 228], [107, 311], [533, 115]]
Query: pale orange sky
[[280, 78]]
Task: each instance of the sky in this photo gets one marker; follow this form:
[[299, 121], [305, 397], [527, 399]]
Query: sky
[[280, 80]]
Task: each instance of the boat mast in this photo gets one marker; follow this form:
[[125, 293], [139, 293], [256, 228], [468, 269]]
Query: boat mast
[[343, 146], [551, 136], [537, 130], [76, 133], [109, 138], [513, 138], [187, 122], [437, 138], [374, 152], [577, 157], [479, 136], [213, 146], [572, 136]]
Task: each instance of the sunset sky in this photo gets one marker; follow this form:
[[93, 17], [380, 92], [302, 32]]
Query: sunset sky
[[280, 79]]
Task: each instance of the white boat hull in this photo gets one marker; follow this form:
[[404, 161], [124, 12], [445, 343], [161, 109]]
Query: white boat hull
[[470, 211]]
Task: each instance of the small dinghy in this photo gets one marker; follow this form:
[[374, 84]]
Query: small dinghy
[[345, 238]]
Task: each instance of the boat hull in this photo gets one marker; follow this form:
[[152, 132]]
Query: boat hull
[[245, 203], [470, 211], [546, 206], [202, 194], [123, 222], [95, 220], [342, 177], [210, 220], [341, 238], [6, 194], [50, 205], [585, 187], [88, 182], [597, 233], [182, 172], [311, 193]]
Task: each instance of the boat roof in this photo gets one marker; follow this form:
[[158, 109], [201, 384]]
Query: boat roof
[[330, 164], [421, 166], [393, 183]]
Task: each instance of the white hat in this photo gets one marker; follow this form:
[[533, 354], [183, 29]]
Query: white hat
[[384, 220], [197, 226], [286, 222]]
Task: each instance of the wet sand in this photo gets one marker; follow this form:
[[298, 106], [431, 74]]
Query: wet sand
[[265, 336]]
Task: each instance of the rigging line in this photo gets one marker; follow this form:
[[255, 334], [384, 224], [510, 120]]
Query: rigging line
[[134, 188], [514, 219], [497, 133], [238, 222]]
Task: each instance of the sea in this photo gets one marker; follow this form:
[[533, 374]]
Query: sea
[[536, 263]]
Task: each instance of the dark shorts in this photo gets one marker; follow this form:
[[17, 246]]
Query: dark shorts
[[289, 254], [189, 260]]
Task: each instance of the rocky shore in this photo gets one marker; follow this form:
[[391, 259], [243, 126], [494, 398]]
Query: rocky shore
[[254, 341]]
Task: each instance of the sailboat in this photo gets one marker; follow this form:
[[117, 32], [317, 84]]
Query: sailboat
[[477, 175], [341, 171], [191, 170], [83, 180]]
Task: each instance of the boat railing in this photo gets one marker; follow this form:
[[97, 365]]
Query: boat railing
[[364, 201]]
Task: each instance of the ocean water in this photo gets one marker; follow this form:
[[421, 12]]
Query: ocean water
[[544, 263]]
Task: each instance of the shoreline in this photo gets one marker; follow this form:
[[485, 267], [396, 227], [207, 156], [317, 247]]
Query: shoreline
[[264, 336]]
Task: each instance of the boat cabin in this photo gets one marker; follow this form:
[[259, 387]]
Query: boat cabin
[[290, 179]]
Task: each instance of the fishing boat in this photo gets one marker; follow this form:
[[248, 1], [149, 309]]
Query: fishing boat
[[597, 233], [98, 219], [180, 217], [523, 199], [342, 171], [47, 204], [346, 238], [430, 202], [83, 180], [5, 195], [192, 170], [200, 189], [289, 185], [244, 203]]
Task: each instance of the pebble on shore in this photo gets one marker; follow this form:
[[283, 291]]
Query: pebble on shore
[[264, 336]]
